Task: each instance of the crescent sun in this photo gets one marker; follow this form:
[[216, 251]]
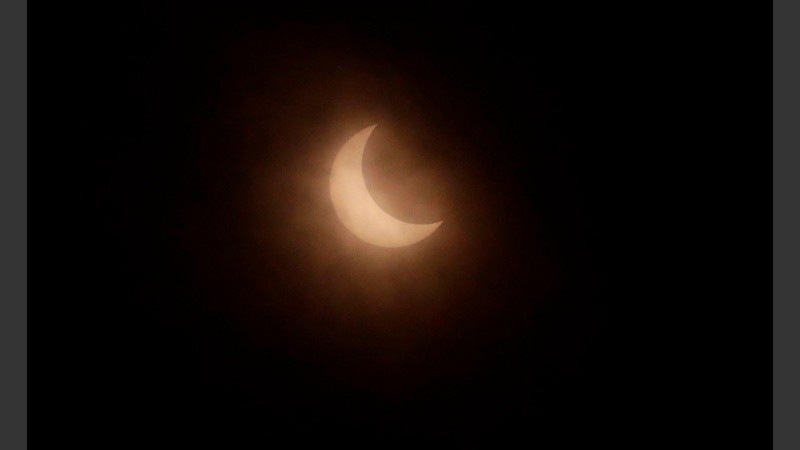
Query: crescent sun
[[358, 211]]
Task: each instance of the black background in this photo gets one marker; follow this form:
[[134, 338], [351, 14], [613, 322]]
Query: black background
[[578, 118]]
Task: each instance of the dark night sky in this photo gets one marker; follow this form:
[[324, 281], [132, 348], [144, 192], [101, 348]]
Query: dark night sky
[[214, 298]]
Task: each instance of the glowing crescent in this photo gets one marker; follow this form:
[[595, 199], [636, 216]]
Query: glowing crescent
[[358, 211]]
